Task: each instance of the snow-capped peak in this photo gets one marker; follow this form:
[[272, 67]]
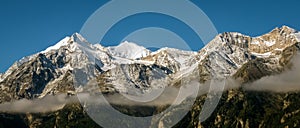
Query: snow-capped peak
[[78, 38], [287, 28], [129, 50], [61, 43], [75, 41]]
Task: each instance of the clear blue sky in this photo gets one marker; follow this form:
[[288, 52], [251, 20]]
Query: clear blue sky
[[27, 27]]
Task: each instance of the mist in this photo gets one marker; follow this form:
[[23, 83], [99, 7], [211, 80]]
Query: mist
[[57, 102], [288, 81], [46, 104]]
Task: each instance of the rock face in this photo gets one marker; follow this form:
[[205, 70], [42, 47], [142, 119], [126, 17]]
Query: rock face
[[119, 69], [51, 71], [229, 53], [233, 55]]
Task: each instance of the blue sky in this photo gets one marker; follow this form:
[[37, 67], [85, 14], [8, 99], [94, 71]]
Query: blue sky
[[27, 27]]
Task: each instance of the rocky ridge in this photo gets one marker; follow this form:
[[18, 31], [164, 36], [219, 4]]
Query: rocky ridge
[[229, 55]]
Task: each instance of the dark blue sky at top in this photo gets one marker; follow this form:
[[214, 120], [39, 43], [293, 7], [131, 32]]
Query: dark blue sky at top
[[27, 27]]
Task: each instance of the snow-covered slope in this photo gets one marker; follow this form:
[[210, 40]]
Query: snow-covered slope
[[229, 52], [298, 36], [180, 56], [61, 43], [51, 71], [223, 55], [174, 59], [129, 50]]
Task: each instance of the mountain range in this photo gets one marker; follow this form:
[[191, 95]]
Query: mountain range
[[134, 70]]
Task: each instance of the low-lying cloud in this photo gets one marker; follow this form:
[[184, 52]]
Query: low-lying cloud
[[46, 104], [57, 102], [288, 81]]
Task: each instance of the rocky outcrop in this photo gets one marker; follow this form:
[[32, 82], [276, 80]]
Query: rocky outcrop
[[229, 55]]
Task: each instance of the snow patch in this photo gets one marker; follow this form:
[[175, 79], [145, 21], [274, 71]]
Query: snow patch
[[1, 77], [271, 43], [179, 56], [186, 71], [297, 36], [25, 59], [267, 43], [99, 46], [278, 49], [262, 55], [255, 42], [120, 60]]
